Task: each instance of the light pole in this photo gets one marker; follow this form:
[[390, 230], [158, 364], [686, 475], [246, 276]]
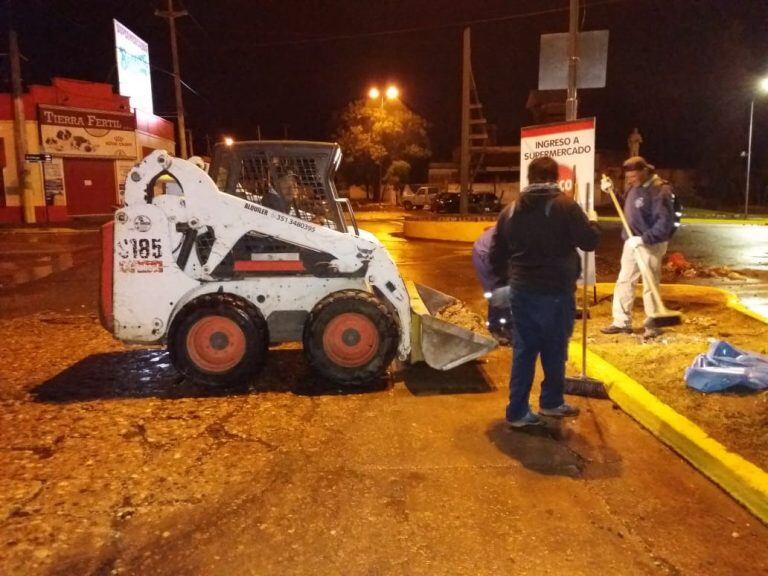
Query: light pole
[[391, 93], [763, 88]]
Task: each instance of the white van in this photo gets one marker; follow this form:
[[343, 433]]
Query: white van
[[423, 197]]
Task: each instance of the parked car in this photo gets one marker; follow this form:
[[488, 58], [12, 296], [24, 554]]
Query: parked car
[[479, 203], [482, 202], [424, 196]]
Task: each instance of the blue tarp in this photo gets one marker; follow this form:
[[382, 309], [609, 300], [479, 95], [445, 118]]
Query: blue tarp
[[724, 366]]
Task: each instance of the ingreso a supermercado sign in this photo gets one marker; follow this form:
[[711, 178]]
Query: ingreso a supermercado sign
[[572, 146], [79, 132]]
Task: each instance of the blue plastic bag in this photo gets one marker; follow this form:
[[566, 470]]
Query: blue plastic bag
[[724, 366]]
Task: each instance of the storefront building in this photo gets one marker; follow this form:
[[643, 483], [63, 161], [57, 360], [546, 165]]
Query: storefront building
[[93, 139]]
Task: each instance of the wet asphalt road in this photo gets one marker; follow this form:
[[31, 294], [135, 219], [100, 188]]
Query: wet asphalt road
[[112, 464]]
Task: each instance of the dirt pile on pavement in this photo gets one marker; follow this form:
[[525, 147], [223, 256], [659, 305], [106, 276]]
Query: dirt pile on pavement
[[458, 314], [677, 264]]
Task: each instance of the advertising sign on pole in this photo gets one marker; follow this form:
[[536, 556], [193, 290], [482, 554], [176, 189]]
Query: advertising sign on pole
[[133, 68], [572, 146]]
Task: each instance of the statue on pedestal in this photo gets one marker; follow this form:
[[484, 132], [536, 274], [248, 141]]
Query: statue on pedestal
[[633, 142]]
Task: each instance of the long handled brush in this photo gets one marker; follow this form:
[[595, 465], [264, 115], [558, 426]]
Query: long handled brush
[[663, 317], [583, 385]]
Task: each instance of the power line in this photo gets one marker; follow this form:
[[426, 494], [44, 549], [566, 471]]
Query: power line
[[413, 30]]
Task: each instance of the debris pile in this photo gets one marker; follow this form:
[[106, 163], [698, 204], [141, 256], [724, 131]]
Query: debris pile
[[678, 265], [457, 313]]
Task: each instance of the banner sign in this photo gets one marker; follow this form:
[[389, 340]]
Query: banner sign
[[98, 133], [133, 68], [572, 146]]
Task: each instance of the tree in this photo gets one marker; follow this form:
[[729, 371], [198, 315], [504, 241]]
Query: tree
[[373, 137], [398, 173]]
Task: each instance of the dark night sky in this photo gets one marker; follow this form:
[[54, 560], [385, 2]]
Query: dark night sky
[[679, 70]]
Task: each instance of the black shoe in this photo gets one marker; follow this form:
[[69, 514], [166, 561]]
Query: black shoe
[[613, 329]]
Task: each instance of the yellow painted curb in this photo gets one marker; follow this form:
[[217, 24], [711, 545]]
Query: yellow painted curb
[[743, 480], [452, 230], [468, 231]]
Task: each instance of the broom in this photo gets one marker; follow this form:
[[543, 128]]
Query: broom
[[583, 385], [663, 317]]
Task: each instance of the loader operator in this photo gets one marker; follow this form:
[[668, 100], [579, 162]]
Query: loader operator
[[649, 210], [281, 197], [535, 249]]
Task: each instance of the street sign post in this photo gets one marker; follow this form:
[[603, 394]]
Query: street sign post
[[593, 58]]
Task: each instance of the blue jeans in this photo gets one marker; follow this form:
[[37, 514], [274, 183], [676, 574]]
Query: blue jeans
[[542, 324]]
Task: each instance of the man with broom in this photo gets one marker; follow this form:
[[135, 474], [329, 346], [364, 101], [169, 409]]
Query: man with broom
[[650, 215], [535, 249]]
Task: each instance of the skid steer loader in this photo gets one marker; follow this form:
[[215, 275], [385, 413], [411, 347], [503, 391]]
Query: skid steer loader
[[261, 250]]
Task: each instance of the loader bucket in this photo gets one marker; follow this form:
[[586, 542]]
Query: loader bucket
[[441, 344]]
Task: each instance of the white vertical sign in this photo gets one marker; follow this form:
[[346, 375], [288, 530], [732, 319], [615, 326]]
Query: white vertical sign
[[133, 68], [572, 146]]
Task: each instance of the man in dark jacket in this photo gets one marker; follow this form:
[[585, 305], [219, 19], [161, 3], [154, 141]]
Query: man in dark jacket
[[649, 209], [535, 250]]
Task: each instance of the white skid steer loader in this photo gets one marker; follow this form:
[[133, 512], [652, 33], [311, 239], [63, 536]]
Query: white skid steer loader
[[260, 251]]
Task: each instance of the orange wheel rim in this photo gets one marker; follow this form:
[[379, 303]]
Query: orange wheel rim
[[351, 340], [215, 343]]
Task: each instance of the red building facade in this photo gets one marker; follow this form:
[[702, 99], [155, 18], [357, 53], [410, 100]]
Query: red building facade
[[93, 139]]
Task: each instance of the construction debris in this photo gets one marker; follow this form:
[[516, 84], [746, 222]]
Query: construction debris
[[458, 314], [677, 264]]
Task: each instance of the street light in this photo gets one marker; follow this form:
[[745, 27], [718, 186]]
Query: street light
[[228, 140], [763, 89], [391, 93]]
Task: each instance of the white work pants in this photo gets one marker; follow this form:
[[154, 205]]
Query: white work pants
[[624, 293]]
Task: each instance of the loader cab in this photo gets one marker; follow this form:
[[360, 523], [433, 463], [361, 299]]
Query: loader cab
[[288, 176]]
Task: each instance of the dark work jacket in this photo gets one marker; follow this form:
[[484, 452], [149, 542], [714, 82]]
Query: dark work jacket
[[650, 211], [536, 241]]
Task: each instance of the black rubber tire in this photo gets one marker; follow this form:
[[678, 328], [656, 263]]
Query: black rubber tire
[[342, 302], [245, 315], [408, 205]]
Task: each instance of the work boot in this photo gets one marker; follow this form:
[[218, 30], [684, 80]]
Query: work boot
[[563, 410], [613, 329], [530, 419]]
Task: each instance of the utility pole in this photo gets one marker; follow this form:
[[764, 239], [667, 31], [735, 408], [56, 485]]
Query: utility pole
[[19, 122], [171, 15], [572, 103], [466, 63], [191, 142]]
